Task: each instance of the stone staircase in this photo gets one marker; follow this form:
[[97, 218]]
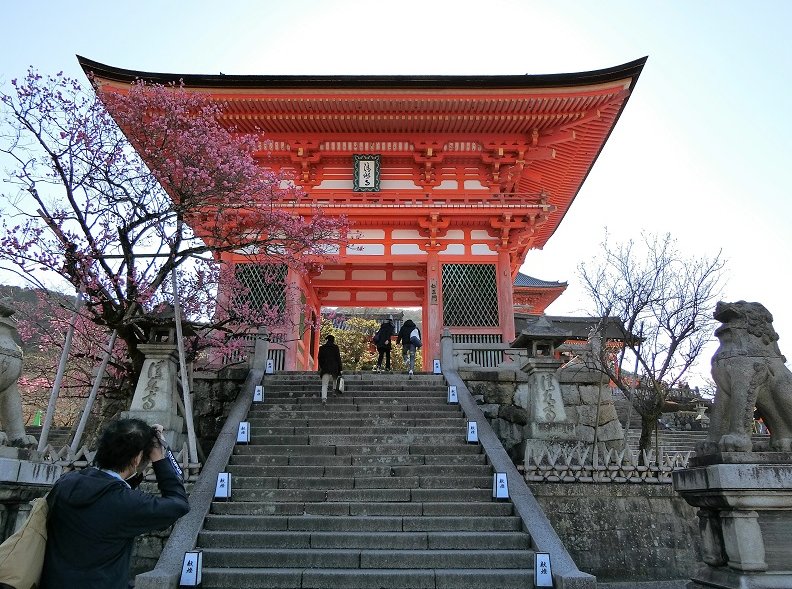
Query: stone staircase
[[681, 442], [58, 436], [377, 489]]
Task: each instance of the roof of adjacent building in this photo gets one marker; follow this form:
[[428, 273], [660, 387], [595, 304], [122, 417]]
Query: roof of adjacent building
[[571, 328], [529, 281]]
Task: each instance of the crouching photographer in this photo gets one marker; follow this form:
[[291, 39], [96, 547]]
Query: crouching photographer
[[95, 513]]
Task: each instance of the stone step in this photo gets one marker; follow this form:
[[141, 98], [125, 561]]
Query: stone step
[[350, 403], [367, 523], [343, 460], [356, 375], [456, 470], [363, 482], [357, 449], [376, 495], [365, 559], [328, 430], [366, 540], [357, 422], [389, 412], [289, 578], [448, 508], [385, 439]]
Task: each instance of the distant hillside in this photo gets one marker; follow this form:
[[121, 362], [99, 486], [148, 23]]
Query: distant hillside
[[18, 294], [27, 298]]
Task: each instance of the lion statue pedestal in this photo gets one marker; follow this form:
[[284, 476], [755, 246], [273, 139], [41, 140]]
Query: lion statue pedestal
[[744, 496]]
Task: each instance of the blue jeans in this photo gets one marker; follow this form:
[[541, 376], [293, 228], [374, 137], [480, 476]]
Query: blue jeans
[[408, 352]]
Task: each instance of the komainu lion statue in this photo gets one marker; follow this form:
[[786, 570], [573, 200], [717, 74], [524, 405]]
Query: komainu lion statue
[[10, 371], [749, 371]]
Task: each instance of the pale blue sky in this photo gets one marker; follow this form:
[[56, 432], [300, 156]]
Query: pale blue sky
[[702, 149]]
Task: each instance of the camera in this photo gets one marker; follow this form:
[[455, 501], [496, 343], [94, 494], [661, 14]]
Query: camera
[[167, 452], [155, 433]]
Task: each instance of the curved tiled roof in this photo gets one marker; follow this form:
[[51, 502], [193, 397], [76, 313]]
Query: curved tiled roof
[[564, 120], [525, 280]]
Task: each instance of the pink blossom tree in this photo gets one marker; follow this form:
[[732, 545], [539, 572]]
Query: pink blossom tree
[[42, 318], [114, 189]]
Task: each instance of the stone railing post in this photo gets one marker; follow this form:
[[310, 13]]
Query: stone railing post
[[261, 350], [447, 350]]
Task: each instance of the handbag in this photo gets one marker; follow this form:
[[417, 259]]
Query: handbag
[[340, 384], [22, 553]]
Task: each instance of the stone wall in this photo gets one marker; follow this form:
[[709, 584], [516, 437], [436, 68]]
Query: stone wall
[[624, 532], [214, 393], [510, 399], [497, 395], [589, 403]]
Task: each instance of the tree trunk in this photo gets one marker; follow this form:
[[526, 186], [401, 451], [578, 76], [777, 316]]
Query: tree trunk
[[648, 425]]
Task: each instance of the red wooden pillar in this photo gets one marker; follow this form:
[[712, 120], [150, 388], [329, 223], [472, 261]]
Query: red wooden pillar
[[505, 295], [433, 310], [292, 323]]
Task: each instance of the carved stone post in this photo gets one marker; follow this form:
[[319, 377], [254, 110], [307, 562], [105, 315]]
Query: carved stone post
[[156, 392]]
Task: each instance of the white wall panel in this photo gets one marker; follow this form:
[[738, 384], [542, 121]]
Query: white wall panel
[[406, 249], [369, 275], [371, 296], [332, 275], [406, 275], [366, 249], [405, 234], [453, 249], [482, 249]]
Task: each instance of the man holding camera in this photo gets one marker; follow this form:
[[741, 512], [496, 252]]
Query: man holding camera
[[95, 513]]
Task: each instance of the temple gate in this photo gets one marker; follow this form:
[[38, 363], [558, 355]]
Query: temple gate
[[447, 181]]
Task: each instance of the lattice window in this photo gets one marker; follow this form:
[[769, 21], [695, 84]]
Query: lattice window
[[470, 295], [265, 283]]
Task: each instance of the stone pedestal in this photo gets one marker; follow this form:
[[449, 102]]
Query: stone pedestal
[[23, 477], [745, 518], [157, 390]]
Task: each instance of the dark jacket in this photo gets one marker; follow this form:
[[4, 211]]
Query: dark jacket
[[384, 334], [93, 520], [329, 359], [404, 334]]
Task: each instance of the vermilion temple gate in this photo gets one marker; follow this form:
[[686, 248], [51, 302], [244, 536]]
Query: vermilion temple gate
[[447, 181]]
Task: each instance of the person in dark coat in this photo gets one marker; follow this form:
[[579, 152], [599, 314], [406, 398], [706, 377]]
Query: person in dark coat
[[383, 341], [329, 364], [94, 513], [408, 345]]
